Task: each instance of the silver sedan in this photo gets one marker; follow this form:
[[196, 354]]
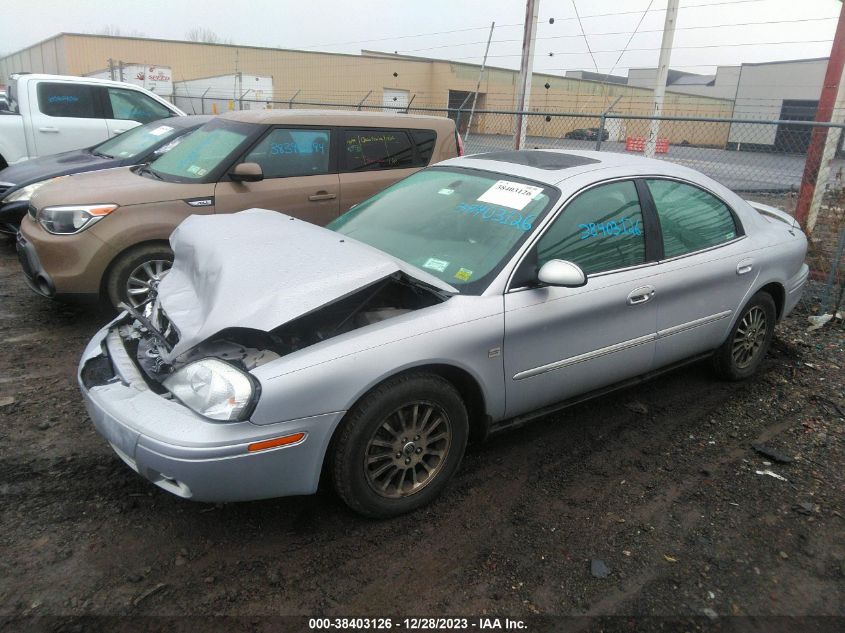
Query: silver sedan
[[458, 302]]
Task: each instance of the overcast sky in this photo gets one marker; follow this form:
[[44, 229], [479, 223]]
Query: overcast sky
[[794, 28]]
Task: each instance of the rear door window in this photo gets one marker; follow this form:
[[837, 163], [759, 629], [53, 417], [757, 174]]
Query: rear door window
[[365, 150], [424, 141], [690, 218], [287, 152], [62, 99]]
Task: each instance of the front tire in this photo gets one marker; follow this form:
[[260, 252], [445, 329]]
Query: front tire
[[400, 445], [741, 355]]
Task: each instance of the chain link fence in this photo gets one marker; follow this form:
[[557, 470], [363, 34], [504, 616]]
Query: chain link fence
[[760, 159], [753, 156]]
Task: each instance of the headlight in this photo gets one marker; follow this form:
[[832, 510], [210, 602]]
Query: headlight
[[24, 193], [73, 218], [212, 388]]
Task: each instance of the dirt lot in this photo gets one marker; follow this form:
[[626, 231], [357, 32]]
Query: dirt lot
[[657, 482]]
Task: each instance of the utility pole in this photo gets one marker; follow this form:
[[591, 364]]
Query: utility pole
[[662, 74], [823, 140], [480, 77], [532, 8]]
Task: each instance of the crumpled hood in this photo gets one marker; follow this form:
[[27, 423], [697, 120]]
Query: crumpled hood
[[260, 269]]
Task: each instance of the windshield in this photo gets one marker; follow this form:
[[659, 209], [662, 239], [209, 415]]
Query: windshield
[[459, 225], [205, 152], [138, 141]]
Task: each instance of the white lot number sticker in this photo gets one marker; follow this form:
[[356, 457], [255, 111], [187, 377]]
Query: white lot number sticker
[[161, 129], [511, 194], [436, 264]]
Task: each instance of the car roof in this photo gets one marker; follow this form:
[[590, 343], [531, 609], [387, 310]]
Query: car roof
[[338, 117], [189, 120], [554, 166]]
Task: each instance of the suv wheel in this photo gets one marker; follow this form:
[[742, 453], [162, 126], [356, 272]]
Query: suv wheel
[[136, 272]]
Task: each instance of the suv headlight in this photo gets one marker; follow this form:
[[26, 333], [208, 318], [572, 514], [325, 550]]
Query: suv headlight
[[24, 193], [73, 218], [212, 388]]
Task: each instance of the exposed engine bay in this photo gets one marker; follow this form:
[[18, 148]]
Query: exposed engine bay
[[148, 335]]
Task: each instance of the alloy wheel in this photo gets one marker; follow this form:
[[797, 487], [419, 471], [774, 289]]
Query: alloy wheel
[[749, 338], [408, 449], [144, 279]]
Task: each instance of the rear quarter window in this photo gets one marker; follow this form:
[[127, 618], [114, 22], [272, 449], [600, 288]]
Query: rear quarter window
[[365, 150]]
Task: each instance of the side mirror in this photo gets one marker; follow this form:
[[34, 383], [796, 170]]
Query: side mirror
[[557, 272], [247, 172]]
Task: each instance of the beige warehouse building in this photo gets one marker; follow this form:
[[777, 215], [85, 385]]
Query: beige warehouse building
[[376, 79]]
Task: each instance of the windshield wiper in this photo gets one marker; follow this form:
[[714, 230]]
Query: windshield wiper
[[147, 170], [101, 154]]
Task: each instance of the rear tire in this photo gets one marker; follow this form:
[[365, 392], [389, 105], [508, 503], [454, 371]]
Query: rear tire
[[741, 355], [400, 445], [129, 272]]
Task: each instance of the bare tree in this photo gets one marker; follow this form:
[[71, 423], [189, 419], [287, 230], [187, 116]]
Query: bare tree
[[114, 31], [202, 34]]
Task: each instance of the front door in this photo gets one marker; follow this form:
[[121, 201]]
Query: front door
[[562, 342], [299, 177]]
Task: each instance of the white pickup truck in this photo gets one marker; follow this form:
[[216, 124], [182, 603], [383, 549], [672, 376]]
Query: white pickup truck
[[48, 114]]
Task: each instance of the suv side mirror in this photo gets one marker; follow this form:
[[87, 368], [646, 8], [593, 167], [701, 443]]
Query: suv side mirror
[[557, 272], [247, 172]]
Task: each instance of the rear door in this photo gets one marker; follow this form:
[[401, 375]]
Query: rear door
[[705, 272], [373, 159], [65, 115], [125, 108], [300, 176]]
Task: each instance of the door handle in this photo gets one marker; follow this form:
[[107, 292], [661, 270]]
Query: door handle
[[53, 130], [640, 295], [745, 266], [116, 132], [322, 195]]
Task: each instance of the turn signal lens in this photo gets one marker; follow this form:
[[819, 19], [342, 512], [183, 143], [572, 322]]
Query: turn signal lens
[[277, 441]]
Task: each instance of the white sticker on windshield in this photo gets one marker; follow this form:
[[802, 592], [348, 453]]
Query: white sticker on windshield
[[510, 194], [436, 264], [446, 191], [161, 129]]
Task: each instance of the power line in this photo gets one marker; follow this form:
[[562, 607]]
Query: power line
[[635, 31], [616, 50], [515, 24], [581, 26]]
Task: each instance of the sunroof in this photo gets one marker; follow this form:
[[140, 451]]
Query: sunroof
[[541, 160]]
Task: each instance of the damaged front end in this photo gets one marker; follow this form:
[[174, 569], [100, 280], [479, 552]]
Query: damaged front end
[[213, 377]]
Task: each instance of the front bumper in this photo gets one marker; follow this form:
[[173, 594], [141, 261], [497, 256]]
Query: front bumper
[[36, 277], [186, 454]]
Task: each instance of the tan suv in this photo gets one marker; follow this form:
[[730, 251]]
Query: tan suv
[[105, 234]]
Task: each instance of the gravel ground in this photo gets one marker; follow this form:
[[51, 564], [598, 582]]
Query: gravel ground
[[656, 486]]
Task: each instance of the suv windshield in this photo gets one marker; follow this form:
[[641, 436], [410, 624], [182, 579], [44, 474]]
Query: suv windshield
[[205, 152], [460, 225], [137, 141]]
